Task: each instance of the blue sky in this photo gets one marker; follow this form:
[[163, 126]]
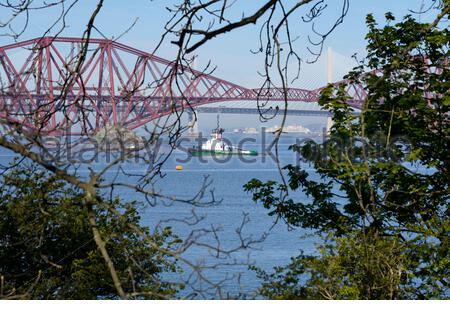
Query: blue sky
[[230, 53]]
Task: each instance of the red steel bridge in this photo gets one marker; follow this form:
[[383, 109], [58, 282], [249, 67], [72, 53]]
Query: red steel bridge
[[42, 87]]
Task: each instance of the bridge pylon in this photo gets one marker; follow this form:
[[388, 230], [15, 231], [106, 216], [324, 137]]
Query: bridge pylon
[[329, 80], [330, 123]]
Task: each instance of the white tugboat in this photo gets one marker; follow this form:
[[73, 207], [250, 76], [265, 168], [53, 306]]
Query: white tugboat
[[217, 145]]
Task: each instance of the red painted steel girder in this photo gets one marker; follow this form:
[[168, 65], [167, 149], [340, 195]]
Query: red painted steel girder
[[115, 85]]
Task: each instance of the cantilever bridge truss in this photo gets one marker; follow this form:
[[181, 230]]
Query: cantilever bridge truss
[[44, 88]]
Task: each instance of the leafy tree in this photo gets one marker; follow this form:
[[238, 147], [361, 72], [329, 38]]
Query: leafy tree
[[356, 266], [47, 247], [382, 203]]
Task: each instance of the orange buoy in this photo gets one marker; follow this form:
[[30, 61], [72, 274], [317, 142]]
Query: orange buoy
[[179, 167]]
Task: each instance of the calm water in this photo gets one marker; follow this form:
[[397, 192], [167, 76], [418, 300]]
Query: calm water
[[227, 182]]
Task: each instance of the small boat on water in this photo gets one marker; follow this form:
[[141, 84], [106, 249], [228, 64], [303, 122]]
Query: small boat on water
[[216, 145]]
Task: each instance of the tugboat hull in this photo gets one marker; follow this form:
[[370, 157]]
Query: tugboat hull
[[218, 146]]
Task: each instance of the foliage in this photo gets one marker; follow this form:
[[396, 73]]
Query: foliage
[[344, 270], [383, 198], [47, 250]]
